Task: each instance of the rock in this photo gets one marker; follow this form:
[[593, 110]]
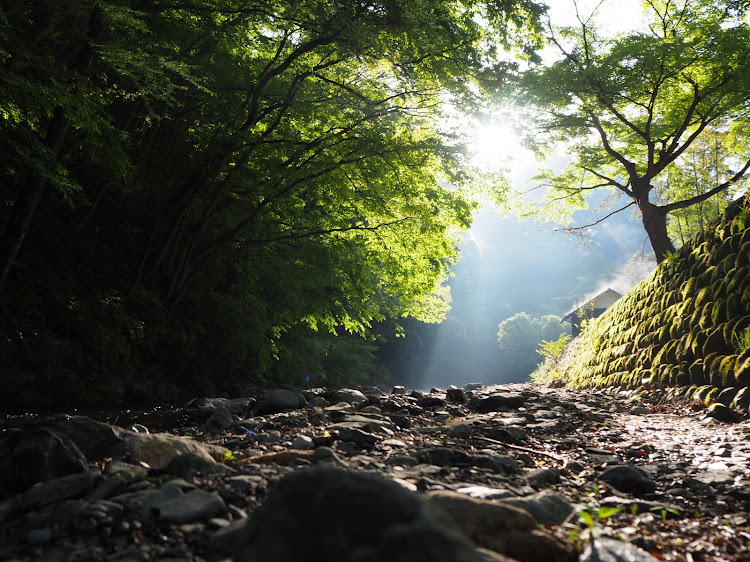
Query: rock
[[187, 463], [58, 489], [723, 413], [37, 455], [639, 411], [283, 458], [196, 505], [357, 436], [158, 449], [279, 400], [545, 507], [303, 442], [431, 402], [219, 420], [499, 527], [496, 402], [96, 440], [399, 391], [544, 476], [330, 514], [609, 550], [628, 479], [485, 493], [455, 395], [350, 396]]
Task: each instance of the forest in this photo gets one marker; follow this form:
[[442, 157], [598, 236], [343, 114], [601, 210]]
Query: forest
[[200, 196]]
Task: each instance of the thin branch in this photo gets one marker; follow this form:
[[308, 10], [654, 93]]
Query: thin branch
[[579, 229]]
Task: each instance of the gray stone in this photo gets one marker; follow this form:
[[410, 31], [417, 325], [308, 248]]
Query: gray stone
[[496, 402], [329, 514], [357, 436], [545, 506], [639, 411], [544, 476], [609, 550], [185, 464], [36, 455], [628, 479], [455, 395], [196, 505], [499, 527], [398, 391], [158, 449], [219, 420], [58, 489], [350, 396], [96, 440], [303, 442], [279, 400]]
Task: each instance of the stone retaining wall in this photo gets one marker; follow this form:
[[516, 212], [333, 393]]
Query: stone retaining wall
[[682, 325]]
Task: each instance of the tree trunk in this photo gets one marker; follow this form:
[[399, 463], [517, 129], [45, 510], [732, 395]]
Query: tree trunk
[[655, 223], [26, 201]]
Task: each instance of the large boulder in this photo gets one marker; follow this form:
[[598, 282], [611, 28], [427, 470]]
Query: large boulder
[[330, 514], [36, 455], [97, 440]]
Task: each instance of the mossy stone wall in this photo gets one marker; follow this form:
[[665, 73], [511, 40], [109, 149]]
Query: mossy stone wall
[[682, 325]]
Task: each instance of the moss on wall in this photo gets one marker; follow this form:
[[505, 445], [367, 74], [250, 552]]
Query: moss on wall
[[684, 325]]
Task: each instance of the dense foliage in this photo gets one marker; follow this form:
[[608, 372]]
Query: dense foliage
[[520, 336], [631, 108], [222, 192]]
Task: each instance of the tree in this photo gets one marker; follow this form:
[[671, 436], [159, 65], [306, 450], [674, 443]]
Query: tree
[[204, 183], [519, 337], [631, 107]]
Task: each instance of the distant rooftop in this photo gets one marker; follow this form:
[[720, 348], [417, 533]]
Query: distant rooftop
[[600, 302]]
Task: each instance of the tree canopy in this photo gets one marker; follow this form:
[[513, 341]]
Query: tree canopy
[[631, 107], [206, 184]]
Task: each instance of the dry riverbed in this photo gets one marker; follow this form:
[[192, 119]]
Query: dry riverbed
[[510, 472]]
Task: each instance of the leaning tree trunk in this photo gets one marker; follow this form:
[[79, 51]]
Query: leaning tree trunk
[[655, 223]]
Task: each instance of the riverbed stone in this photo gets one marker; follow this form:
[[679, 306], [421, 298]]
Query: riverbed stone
[[330, 514], [279, 400], [157, 450], [95, 439], [628, 479], [195, 505], [37, 455], [349, 396]]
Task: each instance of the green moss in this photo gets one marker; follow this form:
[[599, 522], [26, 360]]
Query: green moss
[[726, 369], [742, 372]]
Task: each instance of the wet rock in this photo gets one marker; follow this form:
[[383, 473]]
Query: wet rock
[[158, 449], [279, 400], [545, 506], [96, 440], [329, 514], [37, 455], [628, 479], [399, 391], [609, 550]]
